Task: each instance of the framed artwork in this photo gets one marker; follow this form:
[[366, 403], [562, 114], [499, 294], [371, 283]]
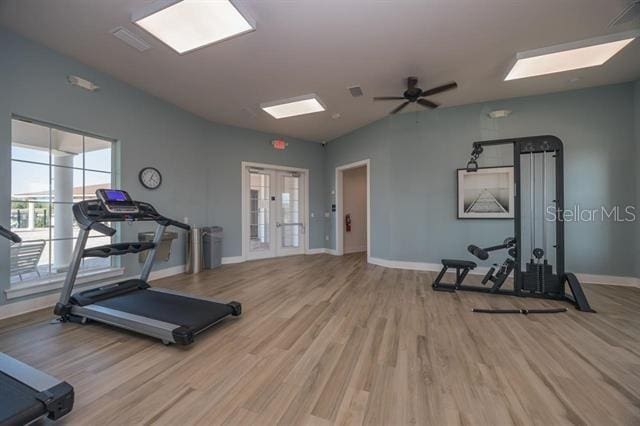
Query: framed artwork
[[486, 194]]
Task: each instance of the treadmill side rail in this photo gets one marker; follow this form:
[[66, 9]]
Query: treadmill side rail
[[26, 374], [56, 396], [136, 323]]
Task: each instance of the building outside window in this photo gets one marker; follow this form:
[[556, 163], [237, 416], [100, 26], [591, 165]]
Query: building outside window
[[52, 168]]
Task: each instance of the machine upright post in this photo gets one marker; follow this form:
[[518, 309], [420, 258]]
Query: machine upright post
[[559, 211], [74, 266], [148, 263], [517, 221]]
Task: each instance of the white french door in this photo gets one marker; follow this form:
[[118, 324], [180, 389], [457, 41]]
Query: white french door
[[275, 215]]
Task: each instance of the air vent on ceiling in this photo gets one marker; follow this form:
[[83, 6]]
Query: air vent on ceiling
[[131, 39], [356, 91], [628, 14]]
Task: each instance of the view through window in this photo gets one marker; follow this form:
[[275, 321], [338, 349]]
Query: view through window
[[51, 169]]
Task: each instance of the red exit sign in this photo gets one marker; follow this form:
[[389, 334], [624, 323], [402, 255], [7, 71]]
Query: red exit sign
[[279, 144]]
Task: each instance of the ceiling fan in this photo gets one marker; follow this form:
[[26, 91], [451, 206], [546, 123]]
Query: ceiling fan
[[415, 94]]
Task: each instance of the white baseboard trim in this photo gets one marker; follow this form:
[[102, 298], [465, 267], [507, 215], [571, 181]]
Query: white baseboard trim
[[399, 264], [609, 280], [436, 267], [25, 306], [167, 272], [240, 259], [316, 251], [232, 259], [355, 249]]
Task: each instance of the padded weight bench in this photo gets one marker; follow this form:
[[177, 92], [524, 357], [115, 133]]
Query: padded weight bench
[[462, 269]]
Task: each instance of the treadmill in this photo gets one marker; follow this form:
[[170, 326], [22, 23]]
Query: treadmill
[[168, 315], [27, 394]]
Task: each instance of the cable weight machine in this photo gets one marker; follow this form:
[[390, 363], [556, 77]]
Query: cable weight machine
[[538, 232]]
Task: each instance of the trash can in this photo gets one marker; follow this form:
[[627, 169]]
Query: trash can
[[163, 252], [194, 251], [212, 246]]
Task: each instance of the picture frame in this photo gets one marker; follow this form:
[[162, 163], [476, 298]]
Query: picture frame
[[487, 193]]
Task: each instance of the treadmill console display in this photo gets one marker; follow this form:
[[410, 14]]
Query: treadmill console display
[[117, 201]]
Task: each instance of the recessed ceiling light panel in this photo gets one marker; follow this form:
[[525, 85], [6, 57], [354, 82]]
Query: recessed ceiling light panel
[[186, 25], [291, 107], [570, 56]]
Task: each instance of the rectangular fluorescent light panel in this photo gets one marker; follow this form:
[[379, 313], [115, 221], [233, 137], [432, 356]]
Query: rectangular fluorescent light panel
[[300, 105], [191, 24], [570, 56]]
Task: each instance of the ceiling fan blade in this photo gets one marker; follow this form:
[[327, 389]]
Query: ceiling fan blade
[[411, 82], [399, 108], [440, 89], [427, 104], [388, 98]]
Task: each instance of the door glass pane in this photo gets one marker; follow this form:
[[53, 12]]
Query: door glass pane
[[259, 212], [290, 210]]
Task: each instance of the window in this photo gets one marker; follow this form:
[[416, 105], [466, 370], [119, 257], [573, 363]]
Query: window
[[51, 169]]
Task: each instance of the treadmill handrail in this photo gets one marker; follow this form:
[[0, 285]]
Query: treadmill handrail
[[4, 232], [90, 214], [118, 249]]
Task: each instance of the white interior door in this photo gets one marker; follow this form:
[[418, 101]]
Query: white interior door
[[290, 214], [275, 213]]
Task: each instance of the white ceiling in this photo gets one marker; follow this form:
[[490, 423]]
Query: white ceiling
[[324, 46]]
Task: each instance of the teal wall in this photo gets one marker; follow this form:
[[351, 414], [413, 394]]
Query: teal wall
[[413, 161], [199, 160], [235, 145], [414, 157]]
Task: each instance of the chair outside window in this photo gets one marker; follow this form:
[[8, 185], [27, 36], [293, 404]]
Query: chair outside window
[[25, 257]]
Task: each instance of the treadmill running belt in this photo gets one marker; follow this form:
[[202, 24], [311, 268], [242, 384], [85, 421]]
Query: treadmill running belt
[[18, 403], [194, 314]]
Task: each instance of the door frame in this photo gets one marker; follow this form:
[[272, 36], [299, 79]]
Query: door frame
[[340, 205], [245, 204]]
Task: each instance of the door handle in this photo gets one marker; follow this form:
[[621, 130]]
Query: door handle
[[300, 224]]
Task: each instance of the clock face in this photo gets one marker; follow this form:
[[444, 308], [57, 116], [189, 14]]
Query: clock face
[[150, 178]]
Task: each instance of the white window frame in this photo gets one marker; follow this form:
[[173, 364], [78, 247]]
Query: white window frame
[[54, 281]]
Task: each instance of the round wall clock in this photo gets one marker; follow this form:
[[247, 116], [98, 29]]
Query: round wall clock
[[150, 178]]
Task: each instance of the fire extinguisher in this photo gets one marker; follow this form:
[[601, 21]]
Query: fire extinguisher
[[347, 222]]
